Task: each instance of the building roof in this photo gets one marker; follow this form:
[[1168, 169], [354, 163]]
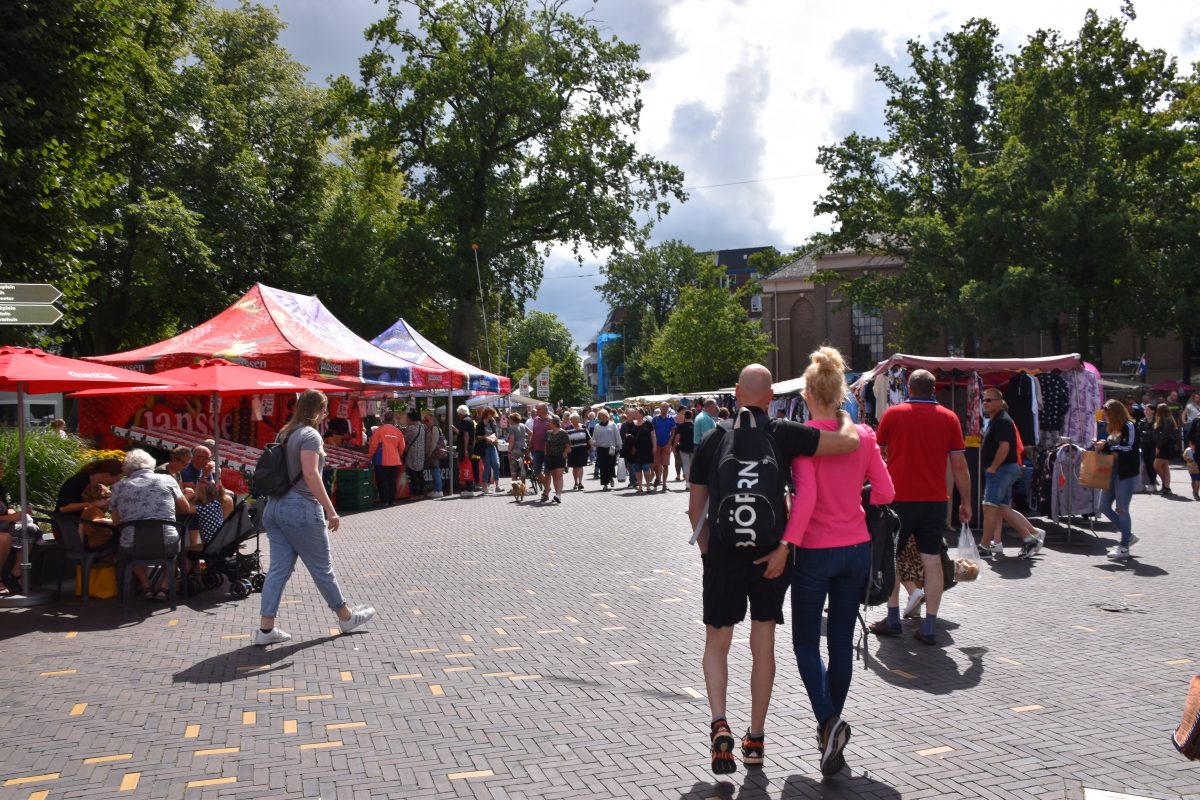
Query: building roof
[[802, 268]]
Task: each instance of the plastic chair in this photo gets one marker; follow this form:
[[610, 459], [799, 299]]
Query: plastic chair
[[148, 550], [74, 548]]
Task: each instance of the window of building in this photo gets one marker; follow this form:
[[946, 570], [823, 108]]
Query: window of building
[[866, 329]]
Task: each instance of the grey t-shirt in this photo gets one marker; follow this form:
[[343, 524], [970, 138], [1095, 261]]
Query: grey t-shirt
[[304, 438]]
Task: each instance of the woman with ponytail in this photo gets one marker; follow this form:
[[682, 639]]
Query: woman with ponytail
[[832, 553]]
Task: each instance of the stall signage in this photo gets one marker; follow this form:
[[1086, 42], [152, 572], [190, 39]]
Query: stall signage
[[543, 383]]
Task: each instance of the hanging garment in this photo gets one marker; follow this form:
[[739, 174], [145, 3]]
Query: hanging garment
[[974, 405], [1080, 422], [1069, 498], [897, 386], [1036, 408], [1019, 396], [1052, 410], [881, 394]]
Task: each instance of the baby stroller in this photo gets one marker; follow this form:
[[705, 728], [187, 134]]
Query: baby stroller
[[222, 556]]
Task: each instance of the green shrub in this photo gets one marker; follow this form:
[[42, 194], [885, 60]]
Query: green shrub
[[49, 460]]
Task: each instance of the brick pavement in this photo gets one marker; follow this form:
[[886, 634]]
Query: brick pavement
[[528, 651]]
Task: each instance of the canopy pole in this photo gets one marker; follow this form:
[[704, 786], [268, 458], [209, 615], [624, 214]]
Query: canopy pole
[[27, 597], [216, 434], [450, 442]]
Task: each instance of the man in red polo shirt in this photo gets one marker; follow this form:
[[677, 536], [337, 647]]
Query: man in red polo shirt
[[917, 437]]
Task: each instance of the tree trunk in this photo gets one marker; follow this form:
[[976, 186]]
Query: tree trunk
[[1056, 340], [1083, 330], [463, 321]]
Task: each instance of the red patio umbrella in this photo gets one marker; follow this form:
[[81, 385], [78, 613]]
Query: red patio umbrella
[[27, 370], [218, 378]]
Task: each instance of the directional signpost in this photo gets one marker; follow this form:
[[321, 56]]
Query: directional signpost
[[28, 304]]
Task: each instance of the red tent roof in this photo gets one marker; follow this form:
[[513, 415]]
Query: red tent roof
[[288, 333]]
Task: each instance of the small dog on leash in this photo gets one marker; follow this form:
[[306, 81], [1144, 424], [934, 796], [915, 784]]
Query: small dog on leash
[[518, 490]]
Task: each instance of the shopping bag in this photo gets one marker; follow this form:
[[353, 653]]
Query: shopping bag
[[1096, 469], [966, 560], [402, 490], [465, 474], [103, 582], [1187, 736], [622, 473]]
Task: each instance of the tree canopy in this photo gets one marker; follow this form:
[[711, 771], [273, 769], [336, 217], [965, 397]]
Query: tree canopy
[[537, 330], [1043, 191], [512, 122]]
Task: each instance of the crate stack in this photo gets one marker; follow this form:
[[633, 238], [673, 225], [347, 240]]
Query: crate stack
[[355, 489]]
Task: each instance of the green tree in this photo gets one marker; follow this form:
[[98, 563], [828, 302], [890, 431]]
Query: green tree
[[62, 67], [903, 195], [1090, 165], [513, 123], [707, 340], [538, 330], [649, 280], [539, 359], [568, 384]]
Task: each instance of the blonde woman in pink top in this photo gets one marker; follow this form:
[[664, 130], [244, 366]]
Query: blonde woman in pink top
[[831, 554]]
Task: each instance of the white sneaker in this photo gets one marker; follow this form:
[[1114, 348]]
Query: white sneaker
[[1133, 539], [914, 603], [996, 550], [1118, 554], [273, 636], [434, 495], [357, 619]]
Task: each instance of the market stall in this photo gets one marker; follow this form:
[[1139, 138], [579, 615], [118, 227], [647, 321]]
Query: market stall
[[1053, 401]]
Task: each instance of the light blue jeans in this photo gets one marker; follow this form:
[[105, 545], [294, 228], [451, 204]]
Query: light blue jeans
[[1114, 504], [296, 527], [491, 465]]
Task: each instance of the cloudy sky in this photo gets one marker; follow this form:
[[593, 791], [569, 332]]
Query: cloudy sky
[[743, 92]]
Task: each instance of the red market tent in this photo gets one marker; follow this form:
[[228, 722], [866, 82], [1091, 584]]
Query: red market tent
[[406, 342], [288, 333]]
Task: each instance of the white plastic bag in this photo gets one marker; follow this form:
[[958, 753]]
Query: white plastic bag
[[622, 474], [966, 560]]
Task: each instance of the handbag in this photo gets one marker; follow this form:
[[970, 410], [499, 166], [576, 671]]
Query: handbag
[[1096, 469], [465, 474], [1187, 736], [102, 584]]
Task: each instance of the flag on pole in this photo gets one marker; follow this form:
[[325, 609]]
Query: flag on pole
[[1141, 373]]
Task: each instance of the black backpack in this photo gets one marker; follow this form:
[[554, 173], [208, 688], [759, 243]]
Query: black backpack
[[745, 501], [271, 476], [884, 527]]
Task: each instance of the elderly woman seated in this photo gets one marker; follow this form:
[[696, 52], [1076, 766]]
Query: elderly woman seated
[[144, 495]]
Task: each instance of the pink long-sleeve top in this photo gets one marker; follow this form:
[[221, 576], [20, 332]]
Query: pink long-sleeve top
[[827, 510]]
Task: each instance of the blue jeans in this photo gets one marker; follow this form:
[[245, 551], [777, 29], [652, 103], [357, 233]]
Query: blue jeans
[[491, 465], [296, 527], [839, 573], [998, 485], [1114, 504], [435, 467]]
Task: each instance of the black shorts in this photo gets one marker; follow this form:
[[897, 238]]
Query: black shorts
[[925, 521], [732, 581], [555, 462]]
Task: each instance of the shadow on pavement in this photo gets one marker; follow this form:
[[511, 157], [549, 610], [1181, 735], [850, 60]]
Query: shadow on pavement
[[1133, 565], [755, 785], [224, 667], [928, 669]]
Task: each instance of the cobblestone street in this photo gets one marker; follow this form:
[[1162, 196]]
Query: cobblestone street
[[540, 651]]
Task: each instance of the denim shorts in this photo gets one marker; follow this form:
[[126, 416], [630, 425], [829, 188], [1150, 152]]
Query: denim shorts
[[998, 486], [636, 468]]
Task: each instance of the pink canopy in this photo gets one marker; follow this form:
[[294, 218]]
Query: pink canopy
[[946, 363]]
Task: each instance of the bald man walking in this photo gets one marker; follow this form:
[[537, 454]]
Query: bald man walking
[[735, 578]]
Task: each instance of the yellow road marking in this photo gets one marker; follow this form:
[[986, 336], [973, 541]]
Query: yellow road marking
[[236, 636], [417, 591], [1020, 709], [571, 620], [217, 751], [496, 674], [314, 697], [623, 663], [404, 677], [277, 690], [515, 678], [459, 655], [129, 781], [603, 605], [416, 612], [252, 667], [346, 675], [49, 776], [172, 623], [610, 614], [614, 628], [1084, 628], [466, 637], [289, 726], [334, 631], [581, 640], [505, 649], [903, 674], [78, 709], [249, 717], [39, 795], [500, 631], [457, 669], [211, 782], [59, 672], [551, 630], [692, 693], [339, 726], [513, 617], [71, 634], [462, 776], [436, 690], [424, 650], [320, 745], [191, 731], [1012, 661], [1180, 661], [530, 591], [934, 751], [107, 759]]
